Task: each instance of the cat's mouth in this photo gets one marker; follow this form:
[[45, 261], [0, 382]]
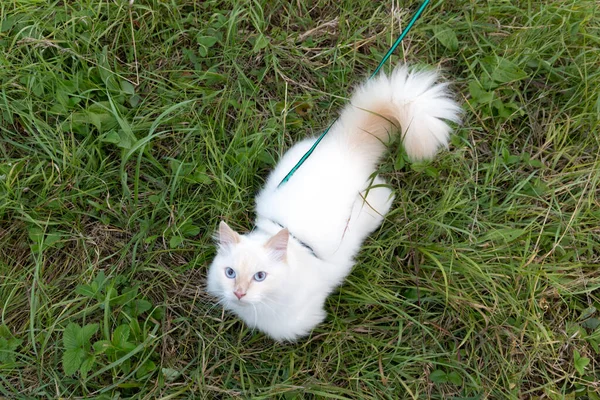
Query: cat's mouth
[[239, 302]]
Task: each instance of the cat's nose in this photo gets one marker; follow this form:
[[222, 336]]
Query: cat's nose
[[239, 294]]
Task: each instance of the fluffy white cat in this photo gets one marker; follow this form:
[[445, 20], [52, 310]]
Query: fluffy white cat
[[308, 230]]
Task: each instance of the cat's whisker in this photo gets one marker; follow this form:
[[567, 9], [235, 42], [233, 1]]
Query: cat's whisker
[[273, 310], [268, 300], [255, 314]]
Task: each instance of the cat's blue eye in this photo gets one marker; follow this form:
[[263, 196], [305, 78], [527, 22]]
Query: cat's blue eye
[[260, 276], [230, 273]]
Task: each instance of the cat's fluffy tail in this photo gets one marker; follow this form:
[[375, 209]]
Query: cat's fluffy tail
[[407, 99]]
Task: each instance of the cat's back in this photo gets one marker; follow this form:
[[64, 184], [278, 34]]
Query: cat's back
[[315, 204]]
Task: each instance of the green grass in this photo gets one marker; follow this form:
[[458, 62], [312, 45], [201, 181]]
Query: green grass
[[128, 133]]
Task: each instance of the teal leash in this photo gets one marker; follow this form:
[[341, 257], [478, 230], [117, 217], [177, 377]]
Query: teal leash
[[385, 58]]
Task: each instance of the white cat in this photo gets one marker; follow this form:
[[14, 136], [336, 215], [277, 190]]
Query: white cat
[[308, 230]]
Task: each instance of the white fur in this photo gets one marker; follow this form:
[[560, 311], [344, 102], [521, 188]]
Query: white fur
[[323, 204]]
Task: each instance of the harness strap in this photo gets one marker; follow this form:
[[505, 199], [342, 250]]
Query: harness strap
[[300, 242]]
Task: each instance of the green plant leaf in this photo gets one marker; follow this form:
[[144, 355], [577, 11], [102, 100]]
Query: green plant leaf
[[126, 366], [86, 290], [72, 359], [7, 334], [128, 87], [580, 362], [504, 70], [120, 336], [13, 343], [175, 241], [400, 161], [101, 346], [36, 234], [86, 333], [594, 344], [5, 355], [8, 22], [207, 41], [128, 347], [189, 229], [535, 164], [111, 137], [94, 289], [100, 279], [591, 324], [446, 37], [8, 345], [52, 238], [124, 298], [145, 369], [200, 177], [87, 364], [170, 374], [432, 171], [71, 336], [454, 377], [438, 376], [479, 95], [138, 307], [588, 312], [593, 394], [134, 100], [103, 121], [260, 43], [119, 138]]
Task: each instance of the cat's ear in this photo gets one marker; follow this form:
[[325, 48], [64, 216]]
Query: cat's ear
[[227, 236], [278, 245]]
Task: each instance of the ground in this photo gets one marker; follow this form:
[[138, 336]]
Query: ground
[[128, 130]]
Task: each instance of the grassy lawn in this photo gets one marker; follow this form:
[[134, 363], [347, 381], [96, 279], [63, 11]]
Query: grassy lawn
[[127, 132]]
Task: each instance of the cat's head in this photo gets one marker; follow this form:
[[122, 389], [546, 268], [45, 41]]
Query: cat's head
[[248, 269]]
